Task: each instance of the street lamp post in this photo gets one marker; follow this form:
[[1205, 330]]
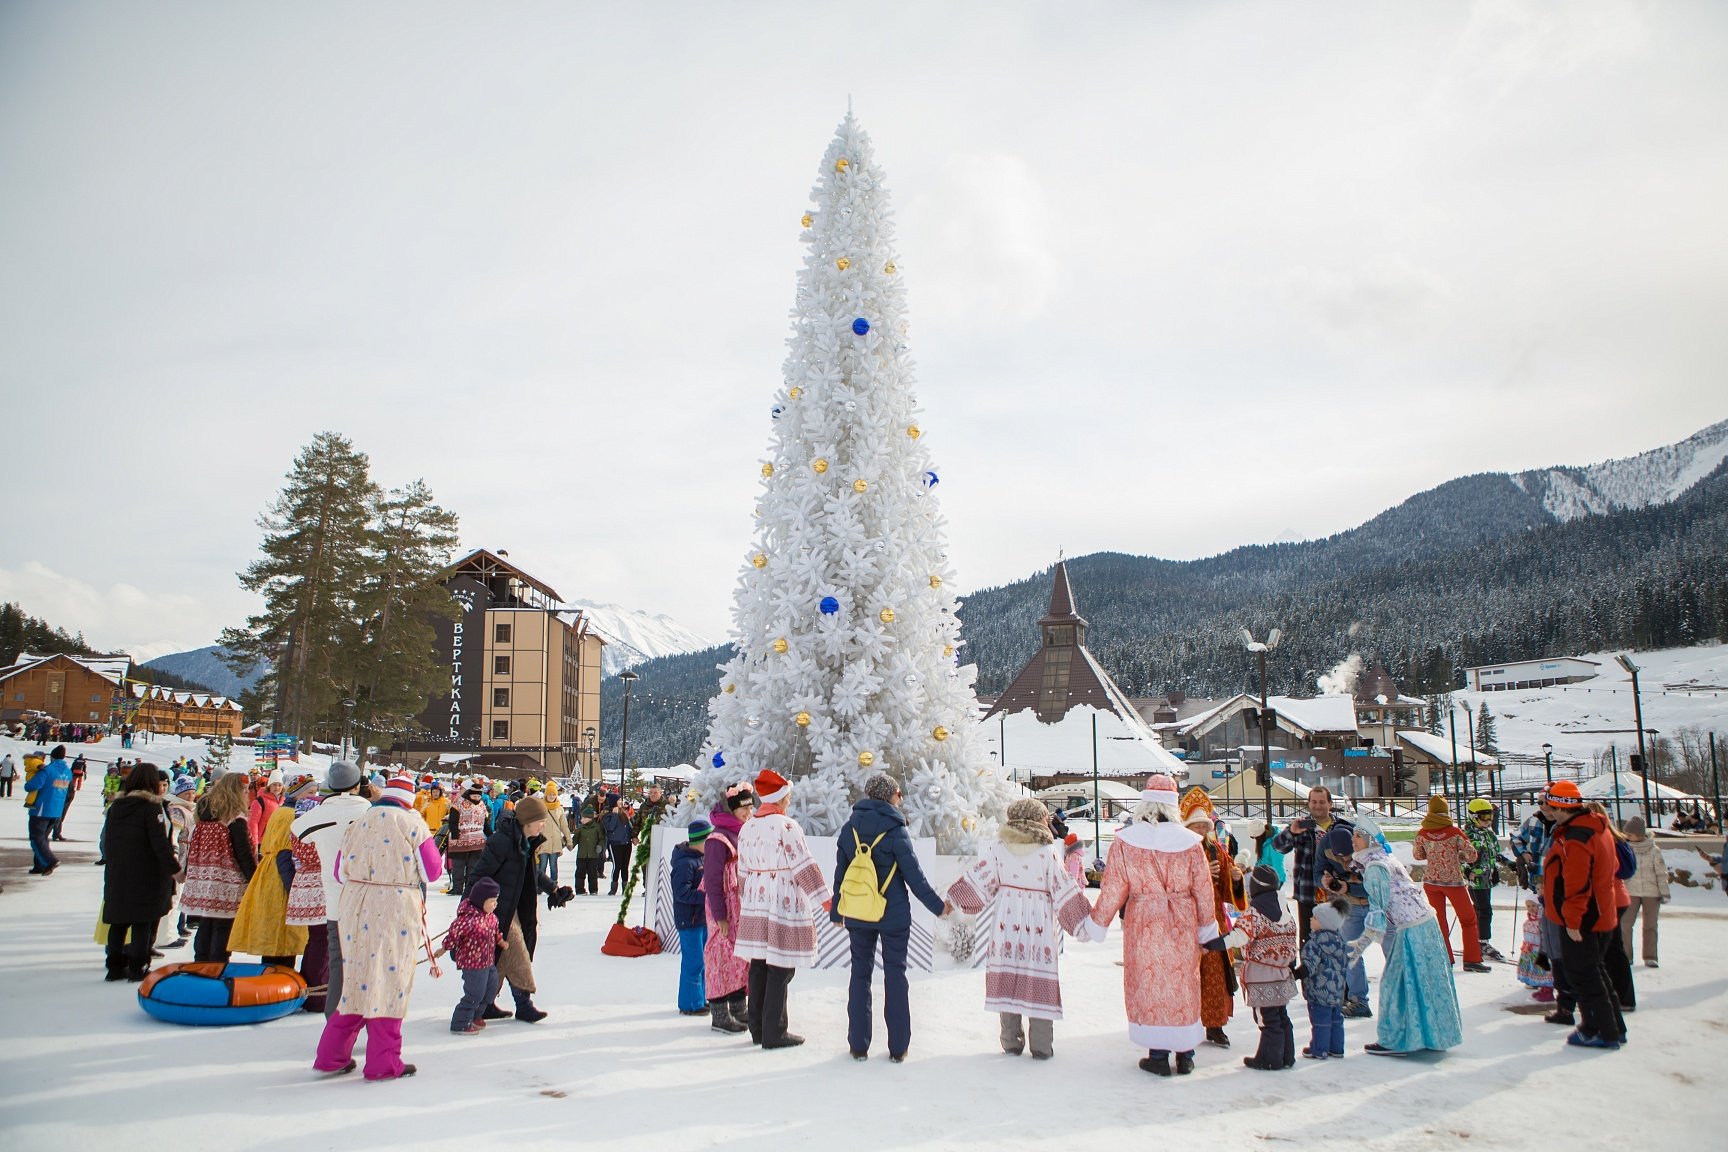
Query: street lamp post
[[1260, 649], [1548, 763], [1638, 719], [629, 679], [1452, 726], [1470, 724], [590, 747]]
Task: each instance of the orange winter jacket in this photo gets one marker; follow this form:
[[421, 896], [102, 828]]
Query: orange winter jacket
[[1578, 875]]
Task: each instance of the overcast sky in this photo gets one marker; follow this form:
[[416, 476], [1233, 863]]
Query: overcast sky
[[1182, 276]]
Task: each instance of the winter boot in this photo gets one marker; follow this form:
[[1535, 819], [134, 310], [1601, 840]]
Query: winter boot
[[1216, 1036], [1156, 1062], [728, 1015], [1012, 1037], [1561, 1016], [525, 1010], [493, 1012], [1184, 1063]]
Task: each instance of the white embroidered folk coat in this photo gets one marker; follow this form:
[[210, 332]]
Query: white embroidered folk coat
[[1028, 899], [781, 892]]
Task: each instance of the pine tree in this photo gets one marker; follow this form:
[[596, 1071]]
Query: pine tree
[[218, 751], [1485, 741], [1436, 715], [845, 625], [316, 537], [392, 667]]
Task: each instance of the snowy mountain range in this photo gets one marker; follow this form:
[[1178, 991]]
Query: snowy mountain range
[[204, 666], [1653, 477], [633, 636]]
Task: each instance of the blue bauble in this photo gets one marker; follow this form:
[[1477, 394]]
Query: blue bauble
[[931, 480], [778, 411], [719, 760], [830, 605], [860, 325]]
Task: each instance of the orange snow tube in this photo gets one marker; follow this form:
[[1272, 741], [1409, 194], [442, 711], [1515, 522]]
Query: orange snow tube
[[213, 993]]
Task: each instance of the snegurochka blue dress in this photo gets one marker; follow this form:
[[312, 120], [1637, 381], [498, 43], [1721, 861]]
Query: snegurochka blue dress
[[1418, 1001]]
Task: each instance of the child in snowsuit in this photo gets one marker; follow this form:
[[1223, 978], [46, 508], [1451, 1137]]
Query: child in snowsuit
[[1534, 969], [1267, 935], [590, 841], [474, 942], [690, 915], [1325, 961]]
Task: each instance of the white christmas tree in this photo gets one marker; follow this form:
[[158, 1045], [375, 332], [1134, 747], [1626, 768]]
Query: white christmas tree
[[844, 620]]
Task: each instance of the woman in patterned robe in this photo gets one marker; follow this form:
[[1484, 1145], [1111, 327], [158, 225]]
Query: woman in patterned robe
[[1217, 979], [781, 886], [1035, 900]]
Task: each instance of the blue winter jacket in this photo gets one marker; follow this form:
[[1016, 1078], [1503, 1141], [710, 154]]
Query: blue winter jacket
[[870, 819], [687, 907], [1325, 960], [53, 784]]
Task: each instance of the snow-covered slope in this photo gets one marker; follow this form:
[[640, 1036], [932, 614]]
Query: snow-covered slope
[[633, 636], [205, 666], [1653, 477]]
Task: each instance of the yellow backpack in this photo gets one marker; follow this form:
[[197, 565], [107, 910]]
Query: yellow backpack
[[860, 899]]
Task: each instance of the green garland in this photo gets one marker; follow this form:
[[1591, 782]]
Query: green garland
[[639, 865]]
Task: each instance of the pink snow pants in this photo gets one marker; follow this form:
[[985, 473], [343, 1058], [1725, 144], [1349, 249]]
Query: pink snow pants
[[383, 1045]]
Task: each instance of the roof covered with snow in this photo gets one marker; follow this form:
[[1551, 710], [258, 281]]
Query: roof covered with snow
[[1439, 748], [108, 667], [1024, 745], [1630, 786], [1315, 716]]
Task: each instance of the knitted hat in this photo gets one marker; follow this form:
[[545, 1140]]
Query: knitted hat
[[341, 776], [881, 787], [739, 795], [772, 786], [276, 777], [1072, 840], [1340, 841], [587, 812], [699, 830], [1262, 879], [1563, 794], [530, 809], [1196, 807], [1634, 826], [1439, 814], [400, 790], [1160, 789], [482, 890], [1330, 915], [303, 787], [184, 784]]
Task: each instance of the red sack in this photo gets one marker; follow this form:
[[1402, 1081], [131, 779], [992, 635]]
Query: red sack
[[624, 941]]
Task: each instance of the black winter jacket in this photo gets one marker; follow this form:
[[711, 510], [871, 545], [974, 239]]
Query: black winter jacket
[[509, 859], [138, 879], [870, 819]]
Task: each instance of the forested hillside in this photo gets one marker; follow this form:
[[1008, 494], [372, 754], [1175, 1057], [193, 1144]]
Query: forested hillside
[[1469, 573]]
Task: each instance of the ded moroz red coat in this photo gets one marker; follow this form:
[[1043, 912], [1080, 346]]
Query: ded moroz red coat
[[1158, 872]]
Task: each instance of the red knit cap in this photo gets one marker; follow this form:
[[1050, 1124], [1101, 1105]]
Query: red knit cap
[[1564, 794], [771, 786]]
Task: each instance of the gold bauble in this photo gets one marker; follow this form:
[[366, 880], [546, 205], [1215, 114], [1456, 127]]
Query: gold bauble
[[731, 688], [780, 644], [935, 581], [796, 392], [889, 268], [947, 651], [865, 759], [767, 470], [914, 431], [819, 465], [940, 734], [802, 719], [759, 560], [860, 485], [842, 164], [966, 823], [886, 615], [807, 219], [842, 263]]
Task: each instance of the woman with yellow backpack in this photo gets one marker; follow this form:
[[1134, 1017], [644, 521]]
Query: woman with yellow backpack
[[874, 870]]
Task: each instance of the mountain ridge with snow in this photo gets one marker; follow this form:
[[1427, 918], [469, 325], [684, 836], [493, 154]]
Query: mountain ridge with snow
[[1654, 477], [633, 635]]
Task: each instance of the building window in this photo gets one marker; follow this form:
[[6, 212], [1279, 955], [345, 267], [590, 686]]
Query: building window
[[500, 697], [500, 665], [96, 698], [501, 633], [500, 729]]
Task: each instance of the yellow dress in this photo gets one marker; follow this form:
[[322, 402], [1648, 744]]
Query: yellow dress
[[260, 926]]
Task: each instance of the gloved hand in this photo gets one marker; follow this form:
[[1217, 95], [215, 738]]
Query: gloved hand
[[1216, 944], [561, 897], [1360, 944]]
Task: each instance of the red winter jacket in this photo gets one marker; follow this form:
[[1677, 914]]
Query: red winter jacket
[[1578, 875]]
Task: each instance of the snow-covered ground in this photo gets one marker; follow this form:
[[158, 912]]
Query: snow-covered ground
[[616, 1066], [1679, 688]]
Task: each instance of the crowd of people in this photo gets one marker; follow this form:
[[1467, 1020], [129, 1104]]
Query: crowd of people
[[332, 877]]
